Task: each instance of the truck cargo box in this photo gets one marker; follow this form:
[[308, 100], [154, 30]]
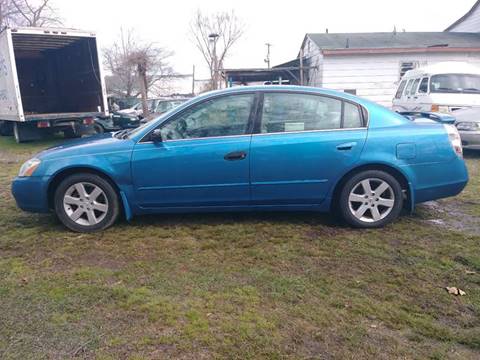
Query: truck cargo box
[[50, 74]]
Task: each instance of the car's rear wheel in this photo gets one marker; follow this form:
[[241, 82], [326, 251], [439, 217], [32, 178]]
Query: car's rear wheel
[[371, 199], [86, 203]]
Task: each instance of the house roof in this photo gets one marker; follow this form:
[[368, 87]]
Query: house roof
[[464, 17], [398, 40]]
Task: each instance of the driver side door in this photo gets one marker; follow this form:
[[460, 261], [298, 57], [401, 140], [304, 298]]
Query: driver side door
[[203, 158]]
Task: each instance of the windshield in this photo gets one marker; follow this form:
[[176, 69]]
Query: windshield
[[455, 83]]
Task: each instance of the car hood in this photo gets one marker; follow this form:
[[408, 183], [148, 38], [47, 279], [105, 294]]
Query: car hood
[[94, 145]]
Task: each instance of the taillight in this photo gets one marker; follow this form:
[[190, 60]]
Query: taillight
[[88, 121], [454, 138], [43, 124]]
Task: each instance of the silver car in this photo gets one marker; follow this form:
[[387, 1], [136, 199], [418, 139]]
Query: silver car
[[468, 125]]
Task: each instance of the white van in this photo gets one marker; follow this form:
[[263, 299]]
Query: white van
[[443, 87]]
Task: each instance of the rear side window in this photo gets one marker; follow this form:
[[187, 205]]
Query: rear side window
[[400, 89], [423, 88], [408, 87], [287, 112], [414, 87], [351, 116]]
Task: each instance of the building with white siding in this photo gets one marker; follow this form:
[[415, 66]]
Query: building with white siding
[[371, 64], [470, 22]]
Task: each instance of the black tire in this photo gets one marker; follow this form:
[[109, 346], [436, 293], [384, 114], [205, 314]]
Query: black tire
[[70, 134], [112, 200], [98, 129], [347, 210], [6, 128]]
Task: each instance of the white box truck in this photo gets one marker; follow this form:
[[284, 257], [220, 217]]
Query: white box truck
[[51, 80]]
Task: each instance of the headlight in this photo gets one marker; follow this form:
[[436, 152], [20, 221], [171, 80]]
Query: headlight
[[29, 167], [468, 126]]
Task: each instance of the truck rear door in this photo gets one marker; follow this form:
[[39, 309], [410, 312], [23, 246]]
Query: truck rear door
[[10, 100]]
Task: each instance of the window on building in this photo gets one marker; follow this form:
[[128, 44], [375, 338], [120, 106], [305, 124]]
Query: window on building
[[406, 66], [351, 91]]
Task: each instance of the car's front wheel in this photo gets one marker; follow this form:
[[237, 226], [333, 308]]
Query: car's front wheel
[[86, 203], [371, 199]]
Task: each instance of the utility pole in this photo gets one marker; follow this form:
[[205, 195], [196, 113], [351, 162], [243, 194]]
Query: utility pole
[[267, 59], [193, 80], [301, 66], [213, 38]]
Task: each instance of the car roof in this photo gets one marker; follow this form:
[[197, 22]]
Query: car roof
[[286, 88]]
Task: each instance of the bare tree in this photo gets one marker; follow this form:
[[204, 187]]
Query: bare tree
[[8, 13], [35, 13], [214, 35], [137, 68]]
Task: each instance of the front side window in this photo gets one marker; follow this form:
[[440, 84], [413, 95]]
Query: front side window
[[423, 88], [455, 83], [287, 112], [224, 116]]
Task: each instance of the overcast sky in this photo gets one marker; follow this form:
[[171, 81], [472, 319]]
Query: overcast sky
[[282, 23]]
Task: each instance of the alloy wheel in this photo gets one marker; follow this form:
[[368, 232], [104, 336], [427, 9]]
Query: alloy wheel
[[85, 203], [371, 200]]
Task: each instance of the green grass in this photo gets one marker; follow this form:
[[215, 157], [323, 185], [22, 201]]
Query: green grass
[[241, 286]]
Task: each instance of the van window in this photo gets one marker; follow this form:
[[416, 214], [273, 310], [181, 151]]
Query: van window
[[408, 87], [423, 88], [399, 93], [455, 83], [413, 89]]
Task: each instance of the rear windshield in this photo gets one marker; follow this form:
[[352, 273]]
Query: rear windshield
[[455, 83]]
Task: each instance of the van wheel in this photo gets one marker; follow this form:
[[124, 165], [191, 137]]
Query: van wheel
[[86, 203], [371, 199]]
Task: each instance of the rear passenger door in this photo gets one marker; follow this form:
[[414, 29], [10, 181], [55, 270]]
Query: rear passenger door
[[302, 143]]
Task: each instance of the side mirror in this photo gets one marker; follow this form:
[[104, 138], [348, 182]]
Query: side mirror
[[156, 135]]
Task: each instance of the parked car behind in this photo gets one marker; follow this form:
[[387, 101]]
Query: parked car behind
[[164, 105], [250, 148], [443, 87], [114, 122], [155, 106], [468, 125]]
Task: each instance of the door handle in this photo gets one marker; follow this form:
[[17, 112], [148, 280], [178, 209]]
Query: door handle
[[236, 155], [346, 146]]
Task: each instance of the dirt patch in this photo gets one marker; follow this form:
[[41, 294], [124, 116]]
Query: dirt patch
[[7, 157], [449, 214]]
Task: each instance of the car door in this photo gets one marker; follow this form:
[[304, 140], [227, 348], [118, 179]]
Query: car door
[[203, 159], [303, 142]]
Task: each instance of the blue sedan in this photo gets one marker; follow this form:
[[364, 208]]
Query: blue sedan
[[250, 148]]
